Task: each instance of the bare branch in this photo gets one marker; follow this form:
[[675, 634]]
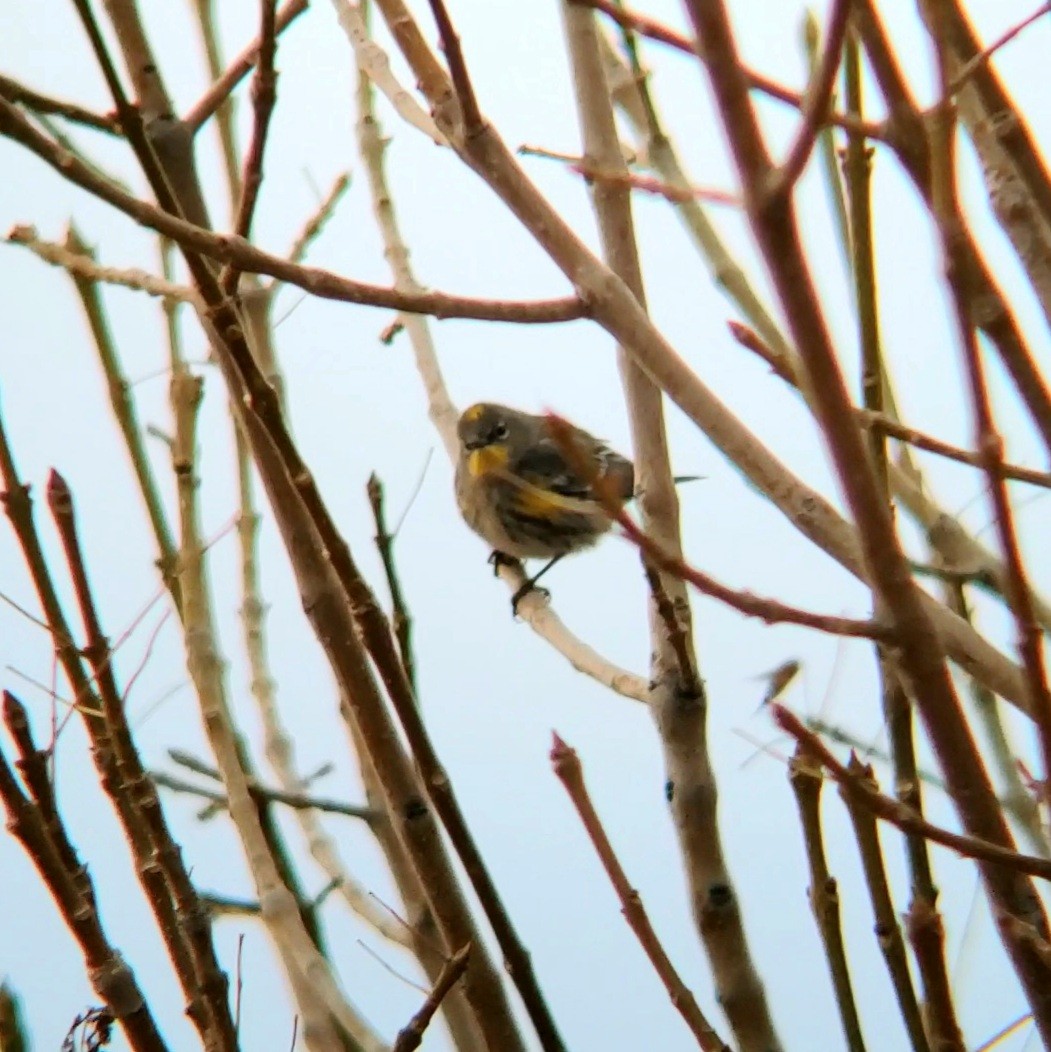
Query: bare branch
[[889, 426], [264, 94], [974, 64], [298, 801], [891, 810], [636, 181], [82, 265], [411, 1035], [470, 114], [249, 259], [13, 91], [988, 440], [217, 94], [769, 610], [649, 27], [570, 772], [817, 103], [823, 893], [316, 223], [373, 62]]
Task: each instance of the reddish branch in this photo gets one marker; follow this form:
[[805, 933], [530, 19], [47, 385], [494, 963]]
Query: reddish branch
[[250, 259], [217, 94], [877, 421], [13, 91], [264, 94], [769, 610], [174, 898], [817, 103], [472, 117], [911, 143], [635, 180], [40, 833], [649, 27], [919, 651], [895, 812], [570, 773], [988, 441], [974, 64], [411, 1035]]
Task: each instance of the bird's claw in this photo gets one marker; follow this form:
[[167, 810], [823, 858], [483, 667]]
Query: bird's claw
[[498, 559], [522, 592]]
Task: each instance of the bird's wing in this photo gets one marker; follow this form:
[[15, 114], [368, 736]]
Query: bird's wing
[[544, 466]]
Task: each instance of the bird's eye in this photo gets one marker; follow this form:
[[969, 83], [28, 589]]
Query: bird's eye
[[499, 432]]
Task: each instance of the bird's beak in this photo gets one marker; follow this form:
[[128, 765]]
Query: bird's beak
[[484, 460]]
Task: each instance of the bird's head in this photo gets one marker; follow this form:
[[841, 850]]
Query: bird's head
[[486, 431]]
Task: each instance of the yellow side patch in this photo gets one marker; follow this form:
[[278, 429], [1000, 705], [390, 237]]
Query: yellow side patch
[[484, 461], [532, 500], [535, 501]]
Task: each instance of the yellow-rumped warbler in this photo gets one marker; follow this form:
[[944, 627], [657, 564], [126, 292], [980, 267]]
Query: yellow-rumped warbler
[[517, 492]]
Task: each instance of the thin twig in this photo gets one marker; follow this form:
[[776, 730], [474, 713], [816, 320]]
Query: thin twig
[[654, 30], [828, 144], [112, 979], [174, 899], [891, 810], [316, 223], [769, 610], [298, 801], [249, 259], [82, 265], [1007, 1031], [39, 103], [570, 773], [645, 183], [411, 1035], [217, 94], [816, 105], [963, 556], [469, 112], [886, 927], [401, 619], [123, 407], [806, 781], [264, 95], [988, 440], [974, 64], [887, 424]]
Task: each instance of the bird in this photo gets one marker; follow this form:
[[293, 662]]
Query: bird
[[517, 491]]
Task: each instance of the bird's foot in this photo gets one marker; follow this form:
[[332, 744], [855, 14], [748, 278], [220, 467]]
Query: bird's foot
[[521, 593], [498, 559]]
